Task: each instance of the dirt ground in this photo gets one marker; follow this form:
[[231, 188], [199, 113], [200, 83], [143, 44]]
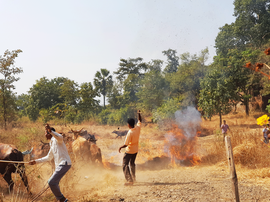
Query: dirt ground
[[157, 178]]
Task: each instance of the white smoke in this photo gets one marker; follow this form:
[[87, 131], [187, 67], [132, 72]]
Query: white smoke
[[189, 120]]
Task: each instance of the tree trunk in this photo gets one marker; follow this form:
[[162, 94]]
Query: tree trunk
[[247, 107], [4, 112], [104, 101], [220, 119]]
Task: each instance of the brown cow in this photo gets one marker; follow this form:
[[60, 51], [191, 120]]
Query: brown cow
[[40, 151], [11, 153], [84, 147]]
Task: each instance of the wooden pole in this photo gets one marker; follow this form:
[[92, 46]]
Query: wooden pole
[[232, 168]]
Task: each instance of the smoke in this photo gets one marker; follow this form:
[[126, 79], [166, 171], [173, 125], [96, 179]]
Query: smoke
[[189, 120]]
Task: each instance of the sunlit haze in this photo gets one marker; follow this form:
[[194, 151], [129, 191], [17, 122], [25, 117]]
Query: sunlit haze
[[75, 39]]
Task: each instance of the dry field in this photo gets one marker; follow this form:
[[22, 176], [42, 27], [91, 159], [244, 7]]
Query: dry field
[[202, 176]]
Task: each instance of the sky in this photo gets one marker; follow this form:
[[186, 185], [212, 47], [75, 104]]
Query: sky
[[75, 39]]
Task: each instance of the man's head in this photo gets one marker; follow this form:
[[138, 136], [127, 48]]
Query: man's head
[[131, 122], [224, 121], [267, 125], [48, 135]]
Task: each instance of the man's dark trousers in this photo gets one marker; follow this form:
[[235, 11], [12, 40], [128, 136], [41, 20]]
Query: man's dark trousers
[[129, 159]]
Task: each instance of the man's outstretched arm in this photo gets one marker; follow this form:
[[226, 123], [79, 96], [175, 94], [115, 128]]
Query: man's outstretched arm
[[139, 116]]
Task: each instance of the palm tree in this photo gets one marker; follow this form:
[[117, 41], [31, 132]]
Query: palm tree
[[103, 82]]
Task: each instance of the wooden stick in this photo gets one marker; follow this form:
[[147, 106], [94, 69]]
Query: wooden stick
[[266, 65], [4, 161], [232, 168]]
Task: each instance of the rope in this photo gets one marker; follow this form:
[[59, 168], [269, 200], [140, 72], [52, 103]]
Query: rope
[[21, 162]]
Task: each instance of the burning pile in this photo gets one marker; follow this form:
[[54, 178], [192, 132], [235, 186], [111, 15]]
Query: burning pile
[[181, 148], [181, 140]]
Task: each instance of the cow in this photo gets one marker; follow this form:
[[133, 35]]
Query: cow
[[9, 152], [120, 133], [40, 151], [84, 146]]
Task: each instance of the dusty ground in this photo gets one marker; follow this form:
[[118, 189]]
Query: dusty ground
[[157, 178]]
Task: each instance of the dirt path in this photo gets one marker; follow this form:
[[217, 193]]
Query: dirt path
[[176, 184]]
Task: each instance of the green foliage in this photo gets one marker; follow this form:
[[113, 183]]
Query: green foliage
[[69, 92], [7, 97], [115, 98], [172, 61], [216, 92], [87, 101], [116, 116], [152, 91], [45, 115], [104, 116], [186, 81], [167, 110], [129, 66], [131, 87]]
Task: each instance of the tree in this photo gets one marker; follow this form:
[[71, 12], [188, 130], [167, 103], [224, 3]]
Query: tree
[[87, 94], [246, 83], [69, 92], [8, 70], [131, 87], [44, 95], [153, 90], [131, 66], [172, 61], [103, 82], [115, 96], [252, 24], [215, 94], [186, 81]]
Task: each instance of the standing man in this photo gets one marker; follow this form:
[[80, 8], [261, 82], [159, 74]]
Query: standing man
[[59, 153], [265, 133], [224, 129], [131, 144]]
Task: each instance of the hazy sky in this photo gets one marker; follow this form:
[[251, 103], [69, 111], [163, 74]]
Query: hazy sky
[[75, 39]]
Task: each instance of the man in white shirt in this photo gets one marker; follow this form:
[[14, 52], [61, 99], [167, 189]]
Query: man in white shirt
[[59, 153]]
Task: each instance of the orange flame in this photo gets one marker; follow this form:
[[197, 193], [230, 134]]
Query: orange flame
[[181, 147]]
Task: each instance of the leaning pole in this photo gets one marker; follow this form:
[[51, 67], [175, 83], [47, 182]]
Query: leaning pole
[[233, 175]]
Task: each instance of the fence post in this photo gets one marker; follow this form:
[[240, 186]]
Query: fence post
[[232, 168]]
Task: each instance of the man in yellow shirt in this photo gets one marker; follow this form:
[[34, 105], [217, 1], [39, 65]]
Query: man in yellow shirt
[[131, 144]]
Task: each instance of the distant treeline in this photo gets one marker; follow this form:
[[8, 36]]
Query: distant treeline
[[186, 80]]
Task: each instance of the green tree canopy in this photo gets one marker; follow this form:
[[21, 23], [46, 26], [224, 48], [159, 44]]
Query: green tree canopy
[[7, 98]]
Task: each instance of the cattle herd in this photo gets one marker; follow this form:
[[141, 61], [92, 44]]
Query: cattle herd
[[81, 143]]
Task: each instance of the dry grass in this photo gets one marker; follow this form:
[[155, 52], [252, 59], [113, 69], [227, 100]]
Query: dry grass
[[84, 180]]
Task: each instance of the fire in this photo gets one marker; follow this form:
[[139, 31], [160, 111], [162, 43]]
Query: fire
[[181, 147]]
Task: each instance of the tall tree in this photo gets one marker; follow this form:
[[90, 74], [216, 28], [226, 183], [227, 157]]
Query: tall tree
[[216, 92], [172, 61], [103, 82], [131, 66], [186, 81], [153, 90], [87, 97], [115, 96], [69, 92], [252, 24], [8, 71]]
